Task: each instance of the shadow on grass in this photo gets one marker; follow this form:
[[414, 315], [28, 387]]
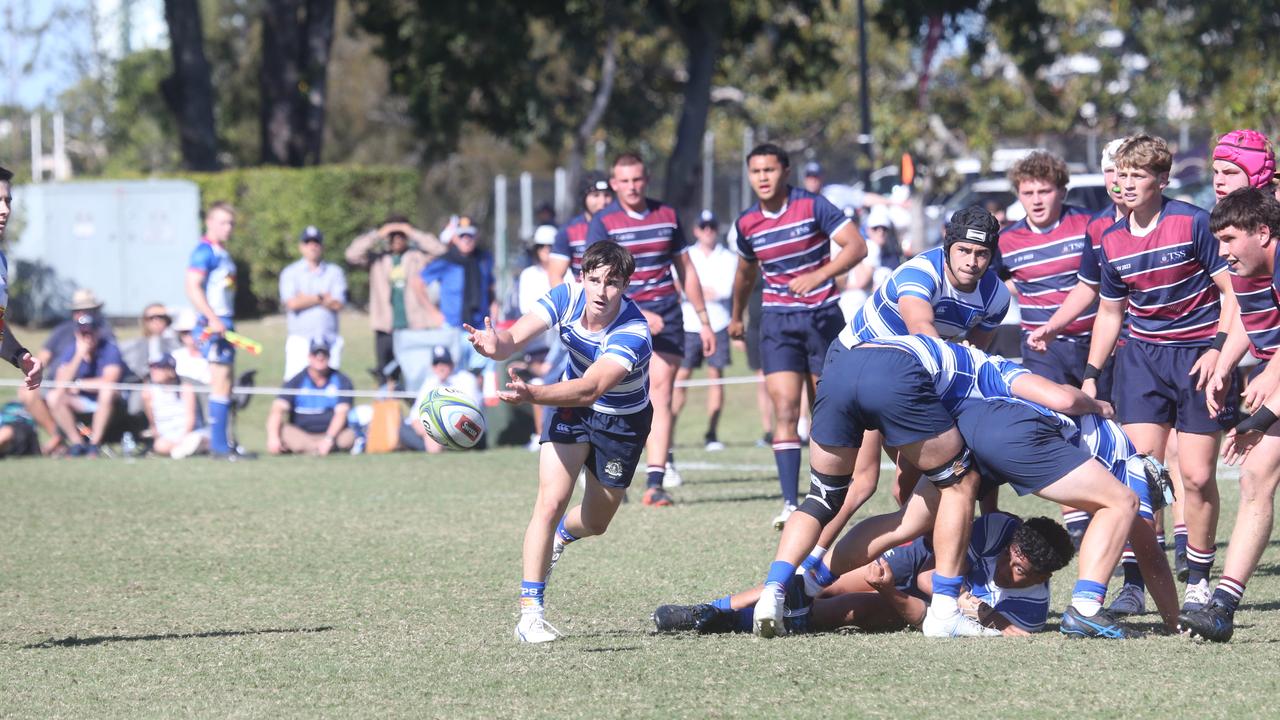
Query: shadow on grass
[[74, 641], [730, 499], [626, 648]]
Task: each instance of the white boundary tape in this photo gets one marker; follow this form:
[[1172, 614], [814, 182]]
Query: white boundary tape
[[372, 394]]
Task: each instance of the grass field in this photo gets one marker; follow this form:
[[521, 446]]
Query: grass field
[[386, 586]]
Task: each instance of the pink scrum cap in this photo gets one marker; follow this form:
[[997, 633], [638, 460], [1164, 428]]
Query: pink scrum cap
[[1250, 150]]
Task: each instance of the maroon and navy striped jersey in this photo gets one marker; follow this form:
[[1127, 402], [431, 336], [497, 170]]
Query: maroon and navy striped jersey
[[791, 243], [1167, 276], [571, 242], [1259, 313], [654, 238], [1044, 266]]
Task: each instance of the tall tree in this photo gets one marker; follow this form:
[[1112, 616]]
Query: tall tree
[[296, 39], [189, 90]]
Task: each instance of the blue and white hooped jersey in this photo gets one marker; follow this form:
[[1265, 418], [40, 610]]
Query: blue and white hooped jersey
[[219, 270], [1106, 441], [961, 374], [626, 341], [923, 276], [1028, 607]]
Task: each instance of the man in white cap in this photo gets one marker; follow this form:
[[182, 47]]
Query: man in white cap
[[312, 291]]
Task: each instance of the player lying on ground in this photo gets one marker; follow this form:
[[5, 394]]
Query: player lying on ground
[[601, 419], [1006, 587]]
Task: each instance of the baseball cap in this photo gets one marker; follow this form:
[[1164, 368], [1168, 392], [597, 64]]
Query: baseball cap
[[441, 355], [812, 169], [878, 216], [707, 218], [465, 227], [320, 344], [185, 321], [162, 360], [312, 234], [594, 182], [545, 235]]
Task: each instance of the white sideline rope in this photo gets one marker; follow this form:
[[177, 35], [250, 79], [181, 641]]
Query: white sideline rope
[[257, 390]]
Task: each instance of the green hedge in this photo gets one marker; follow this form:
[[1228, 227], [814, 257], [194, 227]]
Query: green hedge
[[273, 206]]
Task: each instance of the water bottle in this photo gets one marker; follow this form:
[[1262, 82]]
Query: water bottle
[[128, 446]]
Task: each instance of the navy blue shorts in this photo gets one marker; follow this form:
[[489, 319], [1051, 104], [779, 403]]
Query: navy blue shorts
[[216, 348], [671, 340], [1152, 386], [907, 562], [1064, 362], [798, 341], [876, 388], [1018, 446], [693, 357], [617, 441]]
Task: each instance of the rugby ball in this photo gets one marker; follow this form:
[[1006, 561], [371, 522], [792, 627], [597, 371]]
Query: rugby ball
[[451, 418]]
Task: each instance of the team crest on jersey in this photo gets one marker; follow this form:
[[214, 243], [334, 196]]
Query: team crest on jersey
[[613, 468]]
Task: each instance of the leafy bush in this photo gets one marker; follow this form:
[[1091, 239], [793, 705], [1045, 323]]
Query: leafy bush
[[273, 206]]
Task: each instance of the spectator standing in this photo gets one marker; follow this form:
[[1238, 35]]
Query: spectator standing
[[91, 362], [395, 253], [313, 291], [465, 276], [443, 374], [61, 341], [716, 266], [315, 422]]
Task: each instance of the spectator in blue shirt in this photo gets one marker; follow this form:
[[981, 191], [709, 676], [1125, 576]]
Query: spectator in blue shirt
[[315, 421], [93, 361], [465, 275]]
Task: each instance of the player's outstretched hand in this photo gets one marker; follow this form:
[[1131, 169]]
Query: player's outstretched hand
[[1203, 369], [484, 341], [33, 369], [517, 391], [1040, 338], [1236, 446]]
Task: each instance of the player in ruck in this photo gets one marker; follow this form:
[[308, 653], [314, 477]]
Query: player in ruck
[[945, 292], [11, 350], [1243, 222], [571, 239], [787, 235], [651, 231], [601, 419], [1007, 576], [1160, 269]]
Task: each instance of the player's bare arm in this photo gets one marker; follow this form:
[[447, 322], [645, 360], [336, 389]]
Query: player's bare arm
[[195, 293], [744, 281], [603, 375], [1106, 331], [853, 250], [1077, 301], [918, 316]]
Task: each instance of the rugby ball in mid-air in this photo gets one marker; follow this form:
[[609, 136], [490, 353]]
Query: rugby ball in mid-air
[[451, 418]]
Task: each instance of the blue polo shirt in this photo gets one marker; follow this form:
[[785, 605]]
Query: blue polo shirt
[[105, 356], [314, 412], [452, 277]]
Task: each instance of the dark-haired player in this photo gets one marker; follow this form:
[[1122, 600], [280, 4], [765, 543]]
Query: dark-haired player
[[787, 235], [11, 350], [651, 231], [1243, 222], [1006, 581], [602, 413]]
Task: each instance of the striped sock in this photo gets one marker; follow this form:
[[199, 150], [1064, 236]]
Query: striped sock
[[1180, 539], [654, 475], [1160, 539], [1087, 597], [1228, 593], [1199, 564], [1132, 575], [786, 455], [1077, 521], [531, 595]]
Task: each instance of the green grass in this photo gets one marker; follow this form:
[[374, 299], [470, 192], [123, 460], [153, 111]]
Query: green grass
[[386, 586]]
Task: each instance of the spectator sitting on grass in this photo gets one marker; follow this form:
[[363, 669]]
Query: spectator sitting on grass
[[172, 412], [17, 432], [443, 373], [92, 362], [191, 364], [314, 422], [158, 336]]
